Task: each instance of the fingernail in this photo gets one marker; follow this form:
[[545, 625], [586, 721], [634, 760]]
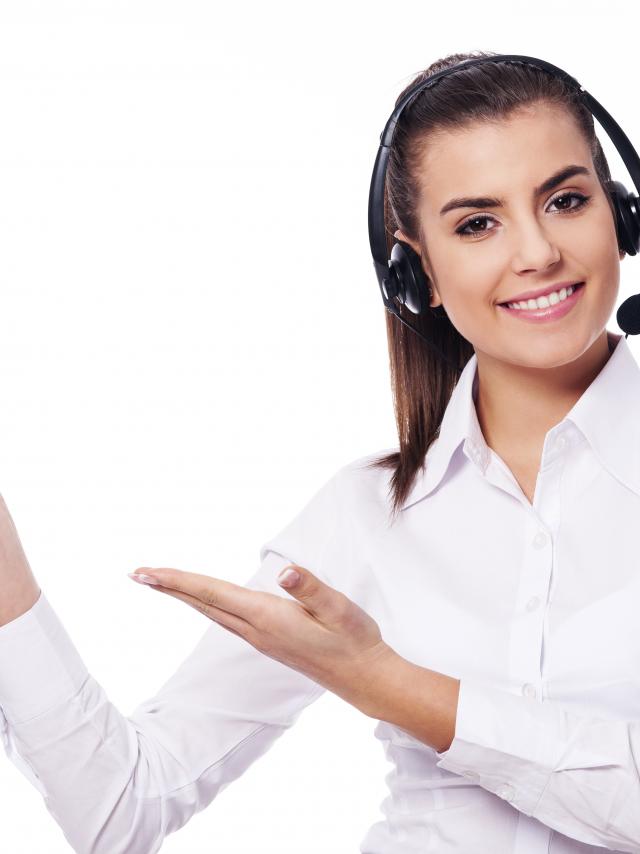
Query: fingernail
[[288, 577], [141, 578]]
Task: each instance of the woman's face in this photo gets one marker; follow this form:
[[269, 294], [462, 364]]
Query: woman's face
[[478, 256]]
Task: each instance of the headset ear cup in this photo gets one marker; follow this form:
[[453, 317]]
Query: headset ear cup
[[625, 206], [413, 287]]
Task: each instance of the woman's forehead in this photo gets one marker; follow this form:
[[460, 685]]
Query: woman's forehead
[[487, 158]]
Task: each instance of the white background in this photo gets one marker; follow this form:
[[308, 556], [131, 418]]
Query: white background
[[192, 339]]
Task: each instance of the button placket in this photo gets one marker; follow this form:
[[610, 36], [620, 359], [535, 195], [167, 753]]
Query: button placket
[[526, 640]]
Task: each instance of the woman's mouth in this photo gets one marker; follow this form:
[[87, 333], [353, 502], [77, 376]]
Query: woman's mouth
[[553, 312]]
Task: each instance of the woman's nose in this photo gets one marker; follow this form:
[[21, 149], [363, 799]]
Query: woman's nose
[[534, 248]]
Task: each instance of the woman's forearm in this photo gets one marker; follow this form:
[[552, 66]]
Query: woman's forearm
[[17, 596], [19, 590], [422, 702]]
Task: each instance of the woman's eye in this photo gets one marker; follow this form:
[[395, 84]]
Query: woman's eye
[[582, 200], [483, 219]]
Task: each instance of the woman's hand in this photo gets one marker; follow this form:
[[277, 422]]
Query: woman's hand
[[19, 589], [323, 634]]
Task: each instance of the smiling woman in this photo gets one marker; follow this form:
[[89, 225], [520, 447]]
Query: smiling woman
[[491, 628], [498, 183]]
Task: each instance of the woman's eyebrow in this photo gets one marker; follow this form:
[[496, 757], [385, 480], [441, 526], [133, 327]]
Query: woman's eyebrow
[[487, 202]]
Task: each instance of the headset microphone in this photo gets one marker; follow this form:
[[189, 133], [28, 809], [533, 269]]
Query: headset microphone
[[628, 315], [401, 276]]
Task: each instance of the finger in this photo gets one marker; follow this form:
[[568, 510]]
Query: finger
[[233, 623], [323, 601], [214, 592]]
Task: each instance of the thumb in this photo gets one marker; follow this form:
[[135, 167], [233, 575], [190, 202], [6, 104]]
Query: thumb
[[289, 576], [322, 600]]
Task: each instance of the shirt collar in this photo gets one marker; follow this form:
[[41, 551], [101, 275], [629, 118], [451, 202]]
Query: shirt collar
[[607, 415]]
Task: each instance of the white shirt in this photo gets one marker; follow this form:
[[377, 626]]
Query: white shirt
[[533, 607]]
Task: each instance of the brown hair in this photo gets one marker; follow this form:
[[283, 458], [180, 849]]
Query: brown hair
[[421, 381]]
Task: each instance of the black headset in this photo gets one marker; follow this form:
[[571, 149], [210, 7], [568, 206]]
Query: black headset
[[402, 276]]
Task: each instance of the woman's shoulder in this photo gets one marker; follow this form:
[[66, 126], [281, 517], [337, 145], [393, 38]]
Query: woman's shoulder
[[336, 521], [363, 483], [367, 472], [354, 497]]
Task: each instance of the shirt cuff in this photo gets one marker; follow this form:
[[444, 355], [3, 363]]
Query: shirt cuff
[[505, 743], [39, 665]]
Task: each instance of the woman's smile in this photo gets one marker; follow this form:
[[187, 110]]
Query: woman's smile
[[553, 312]]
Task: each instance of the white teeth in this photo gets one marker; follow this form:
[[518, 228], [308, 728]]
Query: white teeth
[[543, 302]]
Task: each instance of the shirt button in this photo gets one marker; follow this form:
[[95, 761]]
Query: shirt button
[[529, 690], [507, 792], [540, 540], [533, 603], [561, 443], [471, 775]]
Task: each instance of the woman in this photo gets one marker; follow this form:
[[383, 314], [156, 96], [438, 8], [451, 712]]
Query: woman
[[448, 599]]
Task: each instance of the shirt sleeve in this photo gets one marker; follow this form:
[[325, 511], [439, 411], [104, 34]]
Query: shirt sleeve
[[121, 784], [578, 775]]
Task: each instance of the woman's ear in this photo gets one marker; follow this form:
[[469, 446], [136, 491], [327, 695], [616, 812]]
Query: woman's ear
[[400, 235], [436, 299]]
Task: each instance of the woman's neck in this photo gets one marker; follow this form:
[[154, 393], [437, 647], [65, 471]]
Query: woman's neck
[[517, 406]]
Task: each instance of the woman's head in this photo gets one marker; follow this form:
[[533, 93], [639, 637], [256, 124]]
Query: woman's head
[[526, 241], [494, 130]]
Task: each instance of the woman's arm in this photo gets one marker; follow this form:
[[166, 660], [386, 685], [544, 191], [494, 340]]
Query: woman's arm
[[19, 589], [120, 784], [578, 775]]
